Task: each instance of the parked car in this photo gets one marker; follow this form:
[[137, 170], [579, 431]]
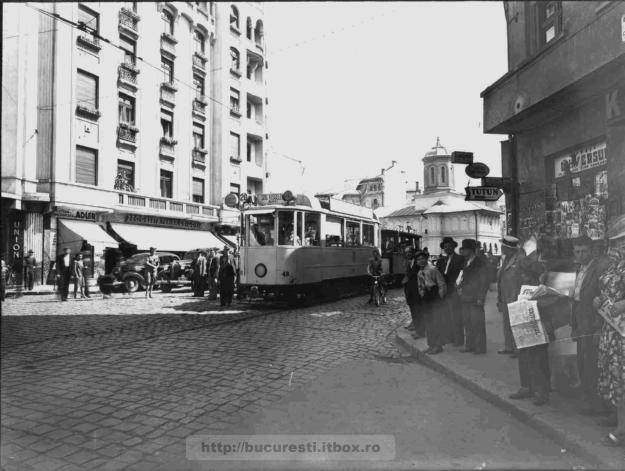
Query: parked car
[[131, 273]]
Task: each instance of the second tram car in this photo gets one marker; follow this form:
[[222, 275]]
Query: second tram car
[[305, 247]]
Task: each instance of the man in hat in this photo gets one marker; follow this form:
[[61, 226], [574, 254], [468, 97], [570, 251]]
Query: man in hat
[[151, 268], [472, 285], [30, 263], [586, 321], [450, 265], [213, 268], [63, 267], [200, 270], [509, 281], [226, 276]]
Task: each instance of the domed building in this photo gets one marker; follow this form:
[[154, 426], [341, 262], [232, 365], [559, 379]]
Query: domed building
[[442, 211]]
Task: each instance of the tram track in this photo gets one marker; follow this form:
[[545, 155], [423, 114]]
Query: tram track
[[9, 351]]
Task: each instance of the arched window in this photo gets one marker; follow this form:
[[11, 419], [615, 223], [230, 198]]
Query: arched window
[[200, 41], [258, 33], [375, 203], [235, 59], [248, 28], [234, 17], [432, 176], [496, 248], [443, 174], [168, 22]]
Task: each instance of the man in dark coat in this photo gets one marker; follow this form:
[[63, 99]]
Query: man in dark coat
[[509, 281], [586, 322], [472, 285], [63, 268], [450, 264], [411, 290], [200, 271], [226, 276], [30, 263]]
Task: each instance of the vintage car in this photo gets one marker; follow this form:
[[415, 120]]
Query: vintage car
[[130, 275]]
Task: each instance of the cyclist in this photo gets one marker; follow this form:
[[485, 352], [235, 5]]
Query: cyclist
[[374, 268]]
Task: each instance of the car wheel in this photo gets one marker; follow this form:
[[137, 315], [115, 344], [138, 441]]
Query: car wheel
[[132, 284]]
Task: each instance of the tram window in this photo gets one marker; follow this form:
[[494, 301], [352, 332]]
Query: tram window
[[353, 234], [286, 236], [311, 229], [261, 229], [334, 231], [367, 235]]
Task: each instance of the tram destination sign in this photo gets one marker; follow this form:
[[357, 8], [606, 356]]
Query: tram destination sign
[[482, 193]]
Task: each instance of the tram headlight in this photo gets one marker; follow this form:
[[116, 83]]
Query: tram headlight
[[260, 270]]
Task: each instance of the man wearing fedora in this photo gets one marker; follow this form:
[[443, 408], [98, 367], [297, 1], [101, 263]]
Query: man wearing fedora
[[30, 264], [450, 264], [226, 276], [509, 281], [472, 285]]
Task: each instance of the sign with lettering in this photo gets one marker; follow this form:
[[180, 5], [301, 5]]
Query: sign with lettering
[[497, 182], [581, 159], [162, 221], [477, 170], [460, 157], [16, 246], [482, 193], [69, 213], [266, 199]]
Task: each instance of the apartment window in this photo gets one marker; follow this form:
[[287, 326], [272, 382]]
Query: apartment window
[[167, 123], [88, 20], [198, 84], [201, 5], [132, 6], [167, 184], [86, 165], [168, 22], [254, 67], [235, 59], [235, 100], [250, 151], [549, 20], [168, 70], [198, 136], [126, 109], [250, 107], [125, 179], [235, 188], [235, 146], [87, 90], [200, 42], [258, 33], [248, 28], [198, 190], [129, 47], [234, 17]]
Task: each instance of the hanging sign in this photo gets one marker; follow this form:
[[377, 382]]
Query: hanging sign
[[477, 170], [581, 159], [482, 193], [461, 157]]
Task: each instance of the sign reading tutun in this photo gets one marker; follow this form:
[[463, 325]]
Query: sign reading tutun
[[482, 193]]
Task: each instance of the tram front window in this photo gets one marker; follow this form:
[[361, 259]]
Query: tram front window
[[286, 229], [311, 229], [353, 234], [367, 235], [261, 229]]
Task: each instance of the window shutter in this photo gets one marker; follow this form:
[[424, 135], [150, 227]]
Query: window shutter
[[198, 187], [86, 90], [86, 166]]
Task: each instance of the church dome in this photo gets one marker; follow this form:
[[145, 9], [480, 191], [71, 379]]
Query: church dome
[[437, 150]]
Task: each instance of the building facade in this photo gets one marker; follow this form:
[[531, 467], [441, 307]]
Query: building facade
[[440, 211], [562, 105], [109, 128]]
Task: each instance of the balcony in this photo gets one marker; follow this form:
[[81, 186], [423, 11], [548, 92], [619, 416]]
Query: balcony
[[127, 134], [235, 111], [127, 76], [199, 106], [199, 62], [168, 44], [168, 148], [166, 207], [199, 156], [88, 112], [88, 41], [128, 23], [168, 94]]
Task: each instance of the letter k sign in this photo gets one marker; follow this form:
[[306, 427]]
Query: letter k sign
[[612, 109]]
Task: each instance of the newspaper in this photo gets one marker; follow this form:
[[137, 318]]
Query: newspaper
[[527, 291], [527, 329], [608, 312]]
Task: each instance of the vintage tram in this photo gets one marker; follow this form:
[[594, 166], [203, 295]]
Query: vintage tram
[[393, 246], [301, 247]]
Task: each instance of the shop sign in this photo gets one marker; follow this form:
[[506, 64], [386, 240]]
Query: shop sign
[[477, 170], [482, 193], [265, 199], [460, 157], [85, 215], [162, 221], [582, 159]]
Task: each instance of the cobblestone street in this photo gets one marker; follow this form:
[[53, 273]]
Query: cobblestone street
[[107, 384]]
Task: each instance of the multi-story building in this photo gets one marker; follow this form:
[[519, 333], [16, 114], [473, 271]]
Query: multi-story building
[[239, 109], [562, 103], [108, 128]]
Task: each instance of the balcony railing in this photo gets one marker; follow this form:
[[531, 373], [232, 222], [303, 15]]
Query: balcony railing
[[199, 155], [165, 205], [127, 75], [199, 106], [168, 148], [128, 22], [127, 133], [199, 61], [88, 41], [192, 209], [168, 93], [168, 44]]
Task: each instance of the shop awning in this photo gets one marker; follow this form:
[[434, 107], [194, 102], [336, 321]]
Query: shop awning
[[166, 239], [75, 231]]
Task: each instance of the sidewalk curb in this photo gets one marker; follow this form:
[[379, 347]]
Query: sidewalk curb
[[535, 421]]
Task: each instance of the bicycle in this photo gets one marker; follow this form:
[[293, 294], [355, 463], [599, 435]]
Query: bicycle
[[378, 293]]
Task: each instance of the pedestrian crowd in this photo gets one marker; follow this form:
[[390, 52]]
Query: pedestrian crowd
[[446, 303], [215, 274]]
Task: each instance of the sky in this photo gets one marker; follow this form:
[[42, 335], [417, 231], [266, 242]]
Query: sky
[[355, 85]]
